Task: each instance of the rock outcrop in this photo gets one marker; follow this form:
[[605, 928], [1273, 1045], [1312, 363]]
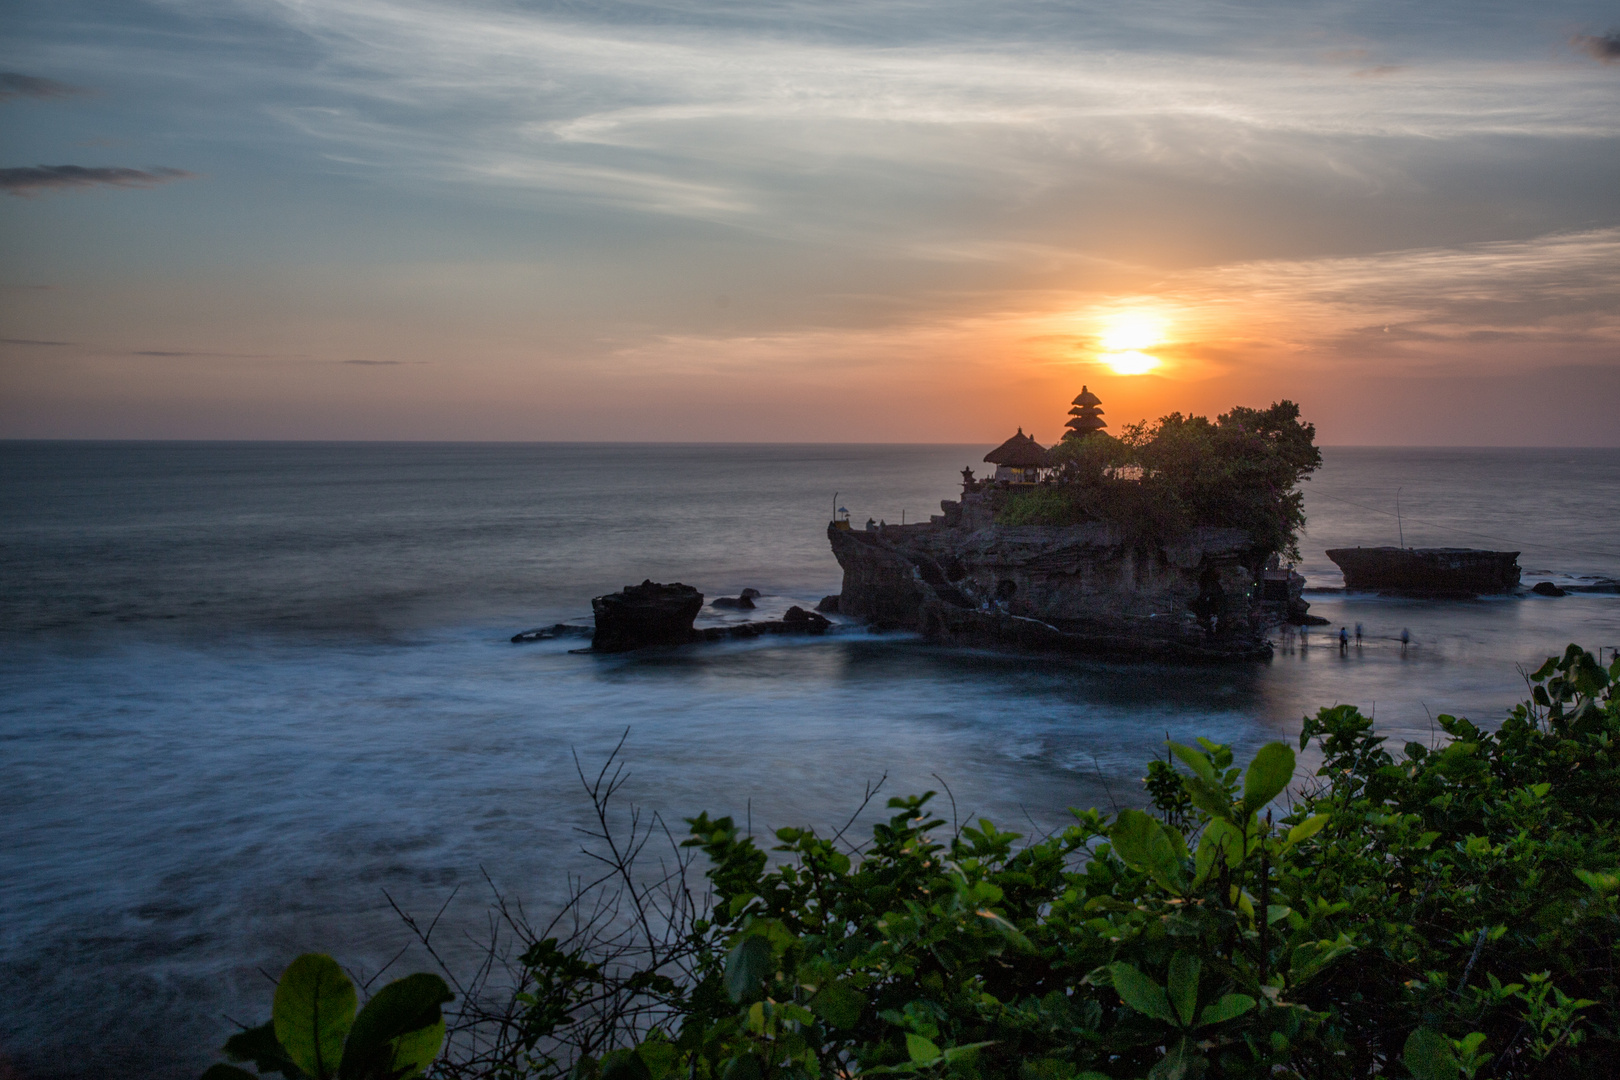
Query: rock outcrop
[[1079, 588], [645, 614], [1428, 571]]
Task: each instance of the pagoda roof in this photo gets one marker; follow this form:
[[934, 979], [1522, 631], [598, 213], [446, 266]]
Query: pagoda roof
[[1087, 398], [1020, 452]]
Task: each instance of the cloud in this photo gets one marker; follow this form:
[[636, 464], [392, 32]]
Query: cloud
[[183, 352], [373, 363], [30, 179], [14, 84], [30, 341], [1604, 47]]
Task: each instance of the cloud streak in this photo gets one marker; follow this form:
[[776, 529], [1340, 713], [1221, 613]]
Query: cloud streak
[[30, 180], [14, 84]]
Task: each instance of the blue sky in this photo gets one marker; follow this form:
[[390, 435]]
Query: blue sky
[[897, 221]]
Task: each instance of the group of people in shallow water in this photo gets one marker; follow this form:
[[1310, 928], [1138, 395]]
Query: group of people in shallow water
[[1303, 637]]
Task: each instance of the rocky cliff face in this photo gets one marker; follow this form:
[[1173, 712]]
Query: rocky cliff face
[[1079, 588]]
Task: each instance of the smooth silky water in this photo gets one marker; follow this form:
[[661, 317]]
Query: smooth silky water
[[245, 690]]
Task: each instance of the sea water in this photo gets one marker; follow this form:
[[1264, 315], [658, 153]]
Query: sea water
[[249, 693]]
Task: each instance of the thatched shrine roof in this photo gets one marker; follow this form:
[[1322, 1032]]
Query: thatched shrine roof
[[1019, 452]]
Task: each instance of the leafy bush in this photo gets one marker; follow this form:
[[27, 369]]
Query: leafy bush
[[1241, 471], [1447, 913], [314, 1034]]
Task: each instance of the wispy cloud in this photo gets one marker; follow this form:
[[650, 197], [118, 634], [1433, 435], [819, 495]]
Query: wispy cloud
[[1604, 47], [717, 118], [173, 353], [31, 341], [31, 179], [14, 84]]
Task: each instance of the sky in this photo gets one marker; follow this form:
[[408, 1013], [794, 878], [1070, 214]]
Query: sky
[[869, 221]]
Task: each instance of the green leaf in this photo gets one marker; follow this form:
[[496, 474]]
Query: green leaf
[[1308, 828], [1183, 1062], [1184, 968], [1429, 1056], [1224, 1008], [226, 1072], [625, 1065], [1132, 835], [399, 1032], [839, 1004], [1221, 840], [1210, 798], [920, 1050], [312, 1013], [259, 1046], [1602, 884], [1197, 762], [1268, 774], [748, 965], [1141, 993], [1145, 844]]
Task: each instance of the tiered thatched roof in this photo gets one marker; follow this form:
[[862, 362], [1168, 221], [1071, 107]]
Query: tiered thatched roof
[[1019, 452], [1085, 417]]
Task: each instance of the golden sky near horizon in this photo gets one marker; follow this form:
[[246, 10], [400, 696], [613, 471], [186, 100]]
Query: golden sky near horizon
[[793, 222]]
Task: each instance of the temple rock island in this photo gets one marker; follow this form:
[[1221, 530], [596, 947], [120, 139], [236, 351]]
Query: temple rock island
[[1079, 548]]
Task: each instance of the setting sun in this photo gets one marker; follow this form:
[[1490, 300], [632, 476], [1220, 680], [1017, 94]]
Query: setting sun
[[1131, 363], [1124, 338], [1132, 331]]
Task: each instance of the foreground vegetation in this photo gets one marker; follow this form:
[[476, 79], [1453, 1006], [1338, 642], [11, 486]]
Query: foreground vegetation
[[1241, 471], [1444, 912]]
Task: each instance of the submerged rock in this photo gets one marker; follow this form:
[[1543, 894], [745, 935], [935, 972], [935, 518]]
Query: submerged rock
[[547, 633], [647, 614], [1547, 588]]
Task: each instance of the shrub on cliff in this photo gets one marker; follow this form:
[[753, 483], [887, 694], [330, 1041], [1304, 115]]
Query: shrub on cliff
[[1240, 471], [1447, 913]]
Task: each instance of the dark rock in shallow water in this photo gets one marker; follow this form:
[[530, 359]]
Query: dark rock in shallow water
[[645, 614], [546, 633], [829, 604], [798, 618], [1547, 588], [1428, 571], [744, 602]]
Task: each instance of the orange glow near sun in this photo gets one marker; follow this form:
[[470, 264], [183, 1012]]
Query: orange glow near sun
[[1124, 338]]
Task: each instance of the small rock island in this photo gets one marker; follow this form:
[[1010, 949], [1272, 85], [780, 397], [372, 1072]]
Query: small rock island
[[1166, 542]]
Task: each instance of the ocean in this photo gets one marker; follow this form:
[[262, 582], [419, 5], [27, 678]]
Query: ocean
[[249, 692]]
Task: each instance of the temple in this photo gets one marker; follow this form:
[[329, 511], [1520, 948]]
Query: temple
[[1085, 417], [1019, 460]]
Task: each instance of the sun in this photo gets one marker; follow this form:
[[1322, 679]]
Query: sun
[[1132, 330], [1124, 338], [1131, 362]]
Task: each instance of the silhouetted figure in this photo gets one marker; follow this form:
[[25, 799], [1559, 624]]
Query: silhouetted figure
[[871, 526], [1358, 635], [1344, 641], [1406, 638]]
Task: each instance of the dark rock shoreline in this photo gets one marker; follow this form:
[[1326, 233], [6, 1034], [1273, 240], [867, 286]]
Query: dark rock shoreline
[[1071, 589], [652, 614]]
